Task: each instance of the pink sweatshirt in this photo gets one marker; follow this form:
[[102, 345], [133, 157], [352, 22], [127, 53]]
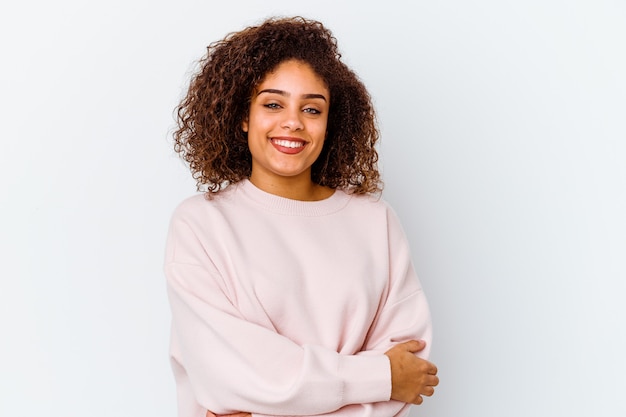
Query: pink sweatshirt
[[285, 307]]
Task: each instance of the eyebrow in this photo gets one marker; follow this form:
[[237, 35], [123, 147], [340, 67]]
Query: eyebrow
[[286, 94]]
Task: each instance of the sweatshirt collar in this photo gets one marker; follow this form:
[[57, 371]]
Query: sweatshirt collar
[[338, 200]]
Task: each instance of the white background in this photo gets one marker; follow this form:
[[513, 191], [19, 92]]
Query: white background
[[504, 150]]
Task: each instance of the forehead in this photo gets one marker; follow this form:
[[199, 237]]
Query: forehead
[[295, 73]]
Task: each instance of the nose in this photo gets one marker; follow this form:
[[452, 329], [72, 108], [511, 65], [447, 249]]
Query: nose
[[292, 120]]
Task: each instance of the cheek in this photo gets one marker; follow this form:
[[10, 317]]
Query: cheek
[[258, 123], [322, 131]]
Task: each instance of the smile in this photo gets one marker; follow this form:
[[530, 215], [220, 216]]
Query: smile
[[288, 146], [285, 143]]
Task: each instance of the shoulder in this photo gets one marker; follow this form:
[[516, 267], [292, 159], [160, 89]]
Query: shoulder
[[375, 209], [203, 204], [192, 202], [369, 203], [190, 206]]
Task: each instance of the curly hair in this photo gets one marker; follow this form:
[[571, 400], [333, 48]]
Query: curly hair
[[209, 133]]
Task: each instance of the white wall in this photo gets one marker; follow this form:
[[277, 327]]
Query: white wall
[[504, 142]]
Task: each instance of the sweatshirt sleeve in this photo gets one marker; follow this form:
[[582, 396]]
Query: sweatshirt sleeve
[[231, 364], [404, 316]]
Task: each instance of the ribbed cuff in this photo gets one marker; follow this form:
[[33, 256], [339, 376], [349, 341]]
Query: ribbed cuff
[[367, 379]]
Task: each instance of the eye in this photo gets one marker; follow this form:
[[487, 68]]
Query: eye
[[273, 106], [311, 110]]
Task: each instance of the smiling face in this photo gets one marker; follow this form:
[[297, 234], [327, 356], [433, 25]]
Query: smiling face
[[286, 125]]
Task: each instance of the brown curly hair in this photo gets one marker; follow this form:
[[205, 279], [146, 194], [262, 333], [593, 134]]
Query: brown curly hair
[[209, 134]]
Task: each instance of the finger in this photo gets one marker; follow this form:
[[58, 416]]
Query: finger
[[428, 391], [238, 414], [432, 369], [414, 346], [430, 381]]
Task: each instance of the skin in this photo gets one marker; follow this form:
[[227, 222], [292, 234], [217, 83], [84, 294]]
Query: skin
[[286, 130], [289, 107], [411, 377]]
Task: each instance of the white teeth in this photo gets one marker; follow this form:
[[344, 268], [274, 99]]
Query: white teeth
[[288, 144]]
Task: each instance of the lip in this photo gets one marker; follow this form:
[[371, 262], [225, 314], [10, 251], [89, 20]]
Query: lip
[[287, 149]]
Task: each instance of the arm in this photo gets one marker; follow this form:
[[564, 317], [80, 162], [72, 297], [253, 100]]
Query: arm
[[216, 352], [404, 317], [413, 372]]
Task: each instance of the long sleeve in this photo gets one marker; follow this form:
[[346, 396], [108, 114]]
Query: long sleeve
[[404, 316], [233, 364], [285, 308]]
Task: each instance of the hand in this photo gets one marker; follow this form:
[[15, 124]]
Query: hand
[[411, 377], [240, 414]]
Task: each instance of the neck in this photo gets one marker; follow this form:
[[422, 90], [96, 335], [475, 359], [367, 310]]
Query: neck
[[295, 188]]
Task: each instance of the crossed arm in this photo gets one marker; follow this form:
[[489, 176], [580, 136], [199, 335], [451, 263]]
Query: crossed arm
[[212, 338], [411, 376]]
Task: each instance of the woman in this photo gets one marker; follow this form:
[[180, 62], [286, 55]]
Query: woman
[[290, 282]]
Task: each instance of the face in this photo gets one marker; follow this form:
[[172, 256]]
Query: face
[[287, 122]]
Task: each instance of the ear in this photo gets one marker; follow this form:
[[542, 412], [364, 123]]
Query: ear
[[244, 125]]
